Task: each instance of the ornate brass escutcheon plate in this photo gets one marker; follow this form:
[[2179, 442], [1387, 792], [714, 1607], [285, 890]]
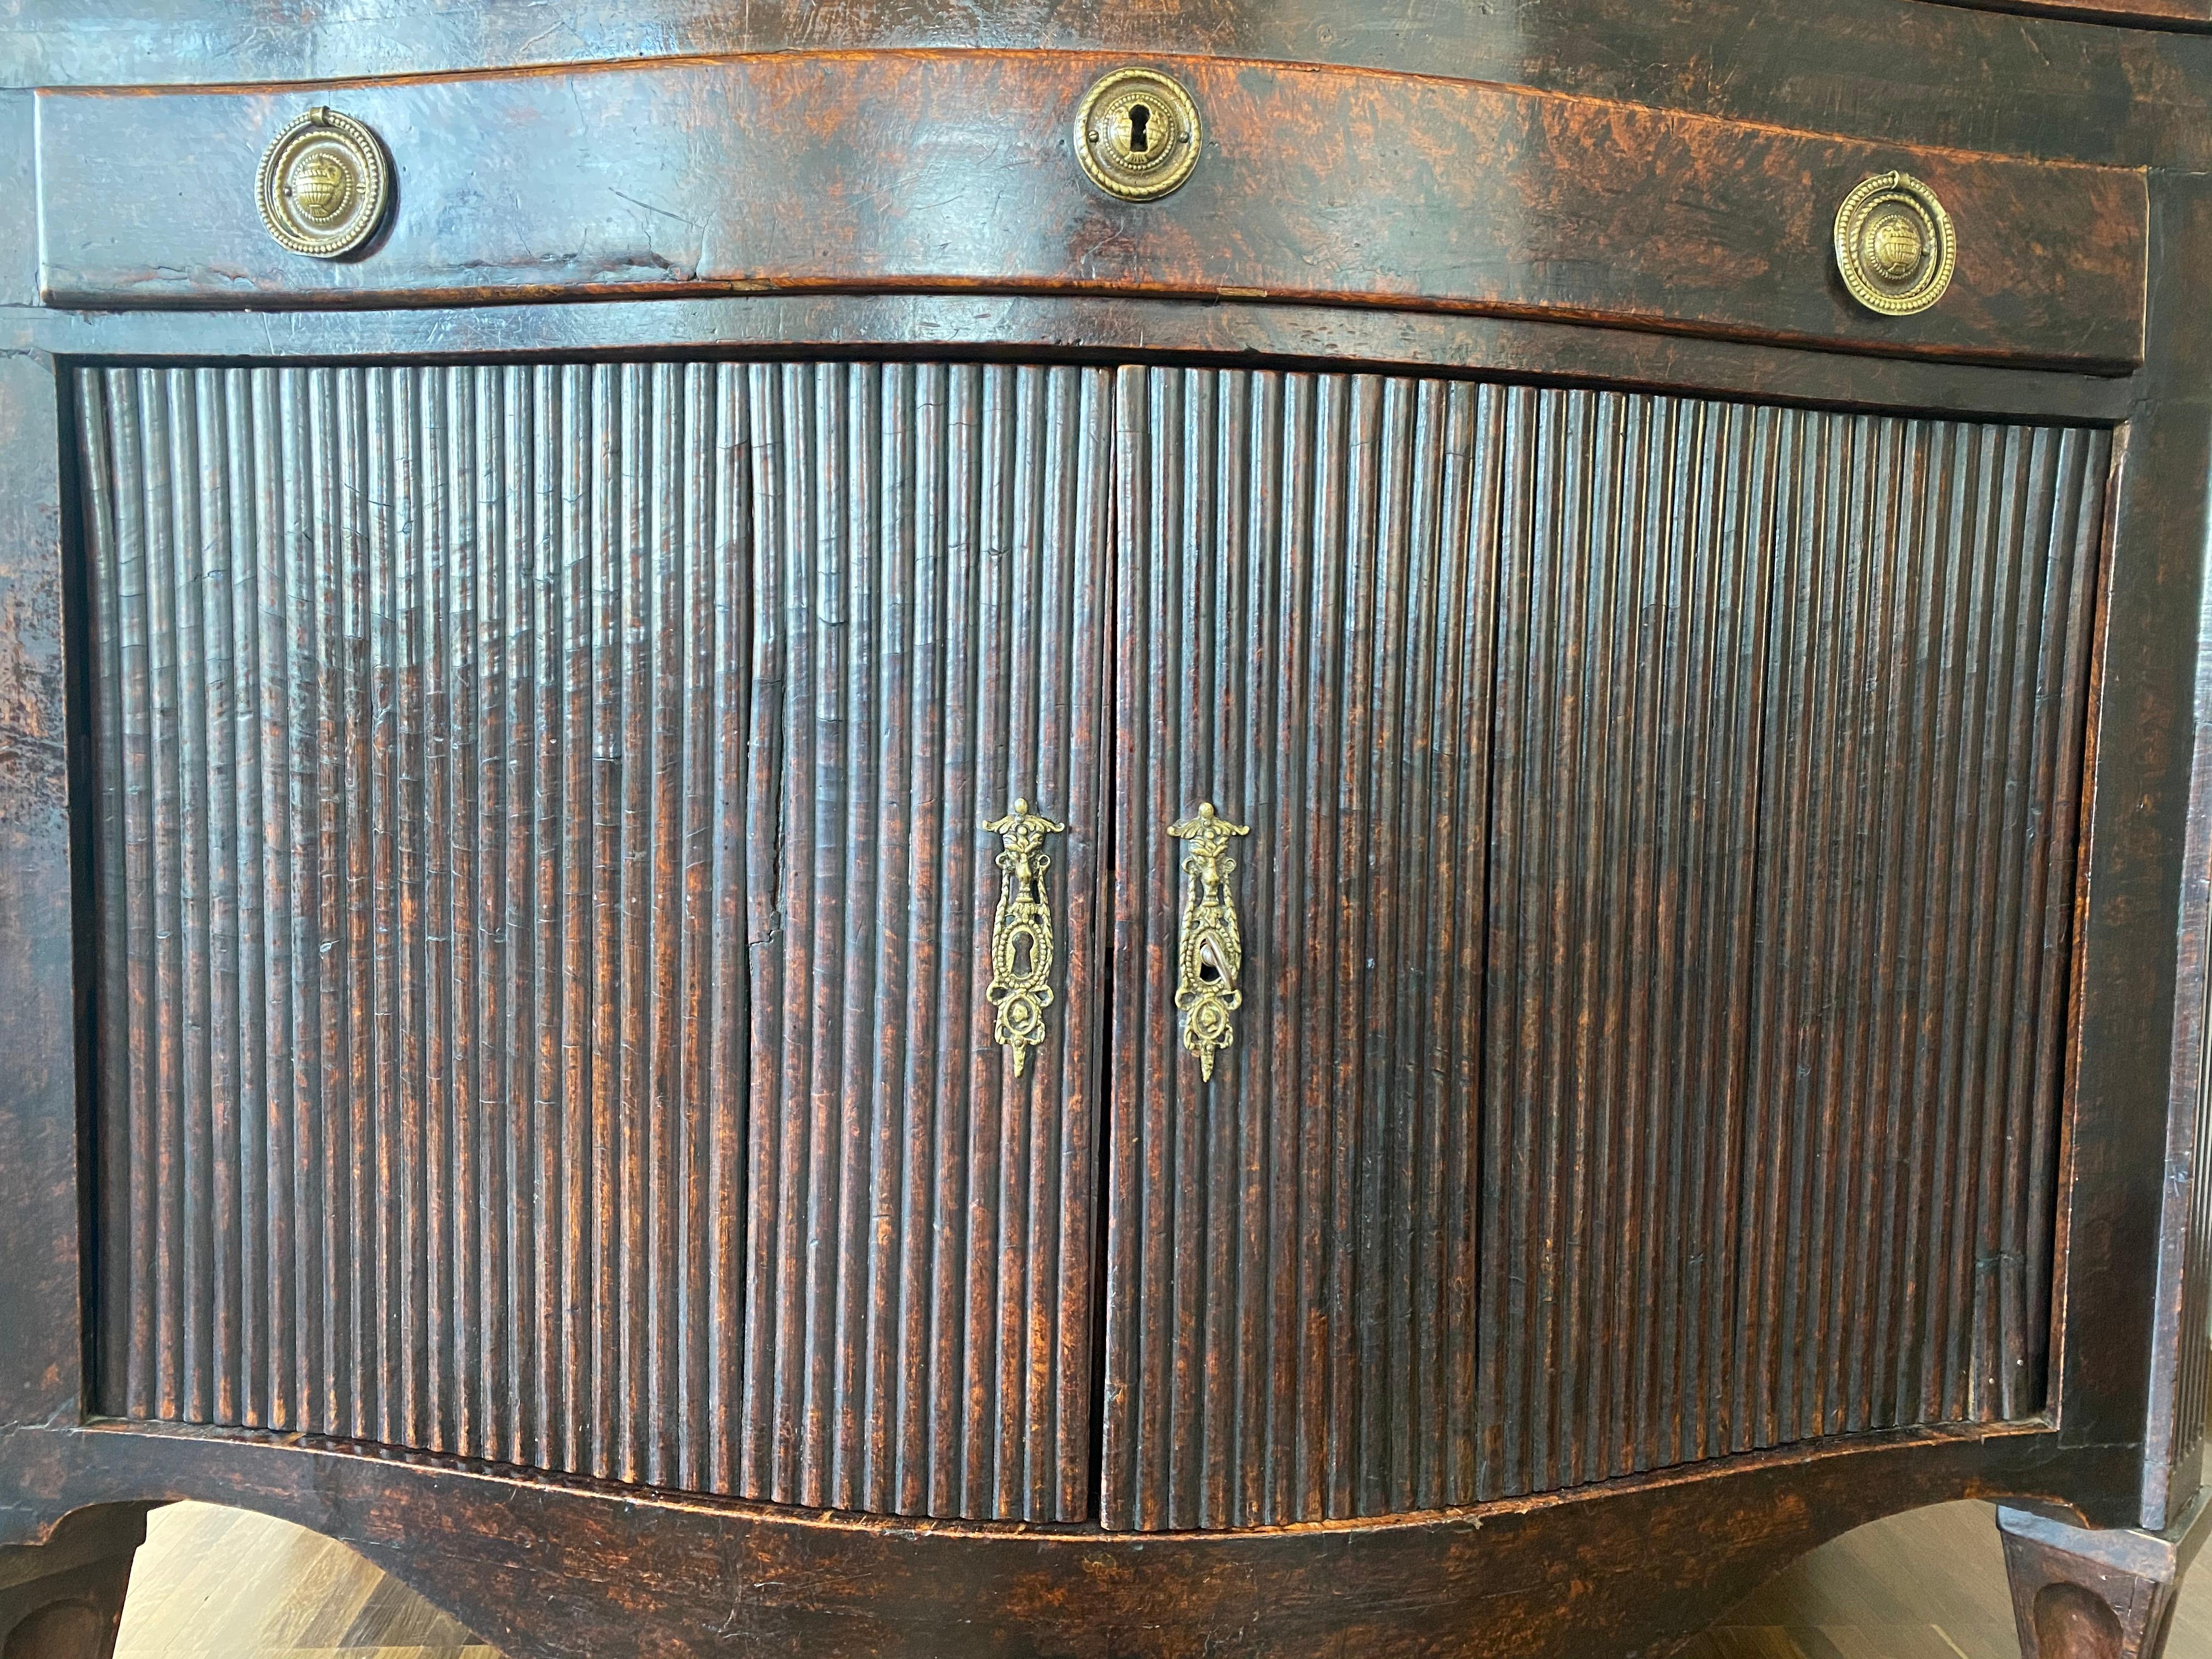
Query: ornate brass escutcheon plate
[[1137, 135], [1021, 935], [1211, 953]]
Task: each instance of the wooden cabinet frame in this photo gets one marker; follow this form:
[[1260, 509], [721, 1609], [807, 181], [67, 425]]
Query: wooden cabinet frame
[[1639, 1559]]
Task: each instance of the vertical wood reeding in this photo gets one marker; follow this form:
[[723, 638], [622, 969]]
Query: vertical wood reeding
[[1736, 1123], [544, 906], [491, 760]]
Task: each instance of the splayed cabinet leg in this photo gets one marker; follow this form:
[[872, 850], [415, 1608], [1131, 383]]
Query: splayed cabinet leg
[[64, 1599], [2084, 1594]]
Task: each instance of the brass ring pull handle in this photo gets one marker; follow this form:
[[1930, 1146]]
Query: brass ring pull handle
[[1211, 953], [1021, 933], [323, 184], [1895, 244]]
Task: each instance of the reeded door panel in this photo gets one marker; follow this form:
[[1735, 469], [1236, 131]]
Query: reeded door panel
[[1306, 575], [545, 913], [919, 1330], [1654, 926], [574, 988]]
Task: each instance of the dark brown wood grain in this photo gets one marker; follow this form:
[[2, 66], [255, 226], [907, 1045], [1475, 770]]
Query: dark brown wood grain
[[1098, 330], [544, 916], [2153, 14], [2130, 1244], [907, 170], [553, 1569], [1751, 937], [42, 1248], [63, 1599], [569, 1292], [2082, 1595], [2179, 422], [1920, 813], [1307, 568], [1891, 71], [1541, 1063], [381, 1029], [926, 575]]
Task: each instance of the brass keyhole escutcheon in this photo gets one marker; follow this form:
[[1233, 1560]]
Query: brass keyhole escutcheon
[[1210, 951], [1021, 935], [323, 185], [1137, 135], [1895, 244]]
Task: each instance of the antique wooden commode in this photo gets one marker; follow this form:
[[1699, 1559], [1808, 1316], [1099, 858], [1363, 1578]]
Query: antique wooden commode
[[1193, 827]]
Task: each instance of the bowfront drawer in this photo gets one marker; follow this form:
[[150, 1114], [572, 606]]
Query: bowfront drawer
[[989, 170]]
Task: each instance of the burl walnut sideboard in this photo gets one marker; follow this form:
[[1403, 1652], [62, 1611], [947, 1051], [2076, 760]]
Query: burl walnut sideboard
[[1234, 828]]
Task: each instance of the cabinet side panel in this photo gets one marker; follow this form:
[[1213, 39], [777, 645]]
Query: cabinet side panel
[[2192, 1358], [43, 1161]]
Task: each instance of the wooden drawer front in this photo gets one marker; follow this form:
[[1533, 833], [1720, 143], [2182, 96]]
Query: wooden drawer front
[[955, 170], [541, 865]]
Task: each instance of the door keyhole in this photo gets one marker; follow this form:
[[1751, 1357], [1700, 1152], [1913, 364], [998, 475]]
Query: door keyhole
[[1141, 119]]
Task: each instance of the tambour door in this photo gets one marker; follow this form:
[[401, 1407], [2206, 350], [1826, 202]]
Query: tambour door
[[1649, 826], [1307, 572], [545, 905]]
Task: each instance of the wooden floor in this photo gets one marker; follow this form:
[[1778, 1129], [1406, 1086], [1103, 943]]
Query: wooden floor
[[214, 1583], [218, 1583]]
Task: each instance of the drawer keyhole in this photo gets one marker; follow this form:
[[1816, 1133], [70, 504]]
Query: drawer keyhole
[[1136, 134]]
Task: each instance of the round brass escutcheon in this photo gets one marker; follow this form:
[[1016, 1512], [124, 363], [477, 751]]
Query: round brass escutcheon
[[1137, 135], [323, 185], [1894, 244]]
